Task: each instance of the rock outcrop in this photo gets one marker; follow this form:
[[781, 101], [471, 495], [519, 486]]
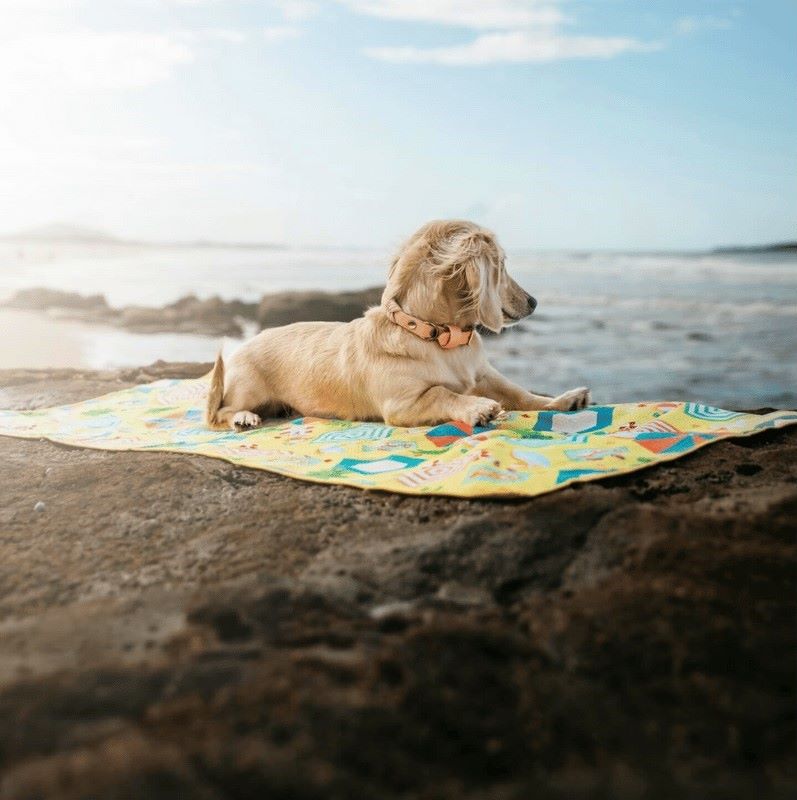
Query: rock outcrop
[[176, 626], [286, 307], [212, 316]]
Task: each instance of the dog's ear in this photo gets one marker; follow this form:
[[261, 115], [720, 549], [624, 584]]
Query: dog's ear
[[401, 267], [392, 285], [481, 275]]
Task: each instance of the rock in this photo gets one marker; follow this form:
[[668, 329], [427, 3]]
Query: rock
[[286, 307], [462, 595], [40, 506], [176, 626], [40, 299], [210, 317], [395, 609]]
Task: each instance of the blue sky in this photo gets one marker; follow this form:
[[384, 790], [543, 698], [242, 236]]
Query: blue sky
[[558, 123]]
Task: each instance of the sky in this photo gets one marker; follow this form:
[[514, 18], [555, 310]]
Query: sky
[[599, 124]]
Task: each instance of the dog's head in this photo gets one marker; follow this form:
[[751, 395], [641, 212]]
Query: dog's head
[[453, 271]]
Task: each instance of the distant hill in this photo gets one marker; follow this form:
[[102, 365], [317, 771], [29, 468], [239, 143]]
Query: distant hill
[[75, 234], [778, 247], [59, 232]]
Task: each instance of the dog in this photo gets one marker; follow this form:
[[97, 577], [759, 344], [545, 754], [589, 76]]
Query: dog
[[416, 359]]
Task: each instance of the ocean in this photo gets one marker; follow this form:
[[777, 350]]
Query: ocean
[[715, 328]]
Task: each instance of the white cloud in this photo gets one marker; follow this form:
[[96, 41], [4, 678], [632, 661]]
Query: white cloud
[[297, 10], [281, 33], [688, 25], [44, 48], [85, 59], [479, 14], [224, 35], [511, 31], [514, 47], [19, 17], [40, 5]]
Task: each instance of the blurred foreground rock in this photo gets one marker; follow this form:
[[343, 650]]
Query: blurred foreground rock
[[177, 627]]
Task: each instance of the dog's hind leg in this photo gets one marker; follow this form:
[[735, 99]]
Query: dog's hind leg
[[243, 419], [237, 406], [229, 417], [245, 408]]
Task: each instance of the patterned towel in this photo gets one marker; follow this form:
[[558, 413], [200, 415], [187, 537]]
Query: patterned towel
[[523, 453]]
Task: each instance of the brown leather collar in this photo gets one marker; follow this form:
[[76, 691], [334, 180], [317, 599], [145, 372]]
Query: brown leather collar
[[447, 336]]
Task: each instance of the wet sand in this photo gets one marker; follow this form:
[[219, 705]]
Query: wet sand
[[34, 339], [31, 339]]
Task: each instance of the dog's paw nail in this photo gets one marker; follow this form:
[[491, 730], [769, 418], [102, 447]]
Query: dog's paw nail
[[579, 398], [483, 411], [490, 413], [244, 420]]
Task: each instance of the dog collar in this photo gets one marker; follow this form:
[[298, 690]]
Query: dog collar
[[447, 336]]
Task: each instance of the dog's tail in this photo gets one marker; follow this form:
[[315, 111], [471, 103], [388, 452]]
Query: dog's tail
[[215, 394]]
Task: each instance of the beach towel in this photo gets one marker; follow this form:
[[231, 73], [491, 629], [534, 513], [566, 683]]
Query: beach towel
[[521, 454]]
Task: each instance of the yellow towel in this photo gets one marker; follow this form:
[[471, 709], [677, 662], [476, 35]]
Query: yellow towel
[[523, 453]]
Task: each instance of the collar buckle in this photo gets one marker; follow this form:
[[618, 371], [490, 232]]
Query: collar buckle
[[453, 336], [447, 336]]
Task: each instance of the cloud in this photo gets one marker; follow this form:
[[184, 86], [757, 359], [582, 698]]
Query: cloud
[[45, 48], [80, 58], [281, 33], [223, 35], [510, 31], [478, 14], [514, 47], [688, 25], [297, 10]]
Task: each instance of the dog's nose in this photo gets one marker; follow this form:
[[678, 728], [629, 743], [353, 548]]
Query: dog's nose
[[532, 304]]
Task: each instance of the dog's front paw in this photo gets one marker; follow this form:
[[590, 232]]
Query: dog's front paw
[[573, 400], [480, 410], [244, 420]]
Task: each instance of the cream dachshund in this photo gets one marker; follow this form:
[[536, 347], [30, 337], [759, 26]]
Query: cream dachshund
[[416, 359]]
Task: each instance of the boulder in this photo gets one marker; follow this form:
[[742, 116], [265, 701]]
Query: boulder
[[40, 299], [286, 307]]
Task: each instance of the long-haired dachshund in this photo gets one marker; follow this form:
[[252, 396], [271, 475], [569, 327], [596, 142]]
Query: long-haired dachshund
[[416, 359]]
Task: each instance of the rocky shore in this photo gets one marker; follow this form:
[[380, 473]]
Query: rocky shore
[[175, 626], [209, 317]]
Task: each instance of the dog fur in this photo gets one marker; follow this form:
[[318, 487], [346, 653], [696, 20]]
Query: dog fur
[[448, 272]]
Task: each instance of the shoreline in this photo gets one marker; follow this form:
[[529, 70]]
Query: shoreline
[[210, 316], [728, 364]]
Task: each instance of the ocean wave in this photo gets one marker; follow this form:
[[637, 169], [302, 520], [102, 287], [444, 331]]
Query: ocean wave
[[698, 307]]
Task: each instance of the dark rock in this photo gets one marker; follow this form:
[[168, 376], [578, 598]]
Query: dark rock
[[44, 299], [211, 317], [171, 629], [286, 307]]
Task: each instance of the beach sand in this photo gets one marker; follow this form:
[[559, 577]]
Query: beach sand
[[177, 626], [31, 339], [35, 339]]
